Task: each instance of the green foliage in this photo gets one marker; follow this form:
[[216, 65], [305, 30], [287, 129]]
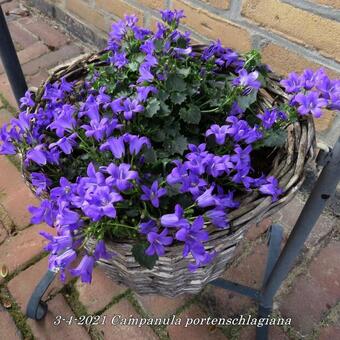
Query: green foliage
[[138, 251]]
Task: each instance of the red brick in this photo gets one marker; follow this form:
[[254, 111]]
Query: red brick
[[124, 332], [331, 3], [314, 293], [249, 271], [20, 36], [158, 305], [11, 180], [214, 27], [30, 53], [22, 285], [274, 332], [8, 328], [6, 91], [21, 248], [330, 332], [45, 329], [51, 59], [3, 232], [120, 8], [204, 332], [222, 4], [17, 207], [88, 293], [285, 19], [5, 117], [38, 79], [256, 230], [89, 14], [47, 33], [6, 221]]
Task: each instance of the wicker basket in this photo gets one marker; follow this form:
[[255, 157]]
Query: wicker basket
[[170, 276]]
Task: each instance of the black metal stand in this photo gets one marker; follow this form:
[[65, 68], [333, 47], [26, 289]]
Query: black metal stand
[[278, 263], [10, 60], [37, 309]]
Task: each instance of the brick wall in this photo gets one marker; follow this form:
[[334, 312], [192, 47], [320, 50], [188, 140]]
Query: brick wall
[[291, 34]]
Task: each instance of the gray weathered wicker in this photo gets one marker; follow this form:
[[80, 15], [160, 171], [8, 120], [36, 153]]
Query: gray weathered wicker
[[170, 275]]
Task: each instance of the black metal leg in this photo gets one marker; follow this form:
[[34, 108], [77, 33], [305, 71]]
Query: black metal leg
[[275, 237], [323, 190], [10, 60], [37, 309]]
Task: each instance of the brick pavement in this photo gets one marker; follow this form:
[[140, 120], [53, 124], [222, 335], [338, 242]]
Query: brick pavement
[[310, 295]]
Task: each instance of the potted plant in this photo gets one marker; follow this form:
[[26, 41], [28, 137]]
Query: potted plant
[[154, 156]]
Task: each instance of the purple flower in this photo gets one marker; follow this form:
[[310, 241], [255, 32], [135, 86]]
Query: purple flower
[[66, 86], [120, 176], [235, 109], [246, 79], [172, 16], [193, 233], [292, 84], [63, 192], [40, 182], [57, 243], [136, 143], [241, 130], [64, 121], [37, 155], [219, 132], [241, 157], [119, 59], [193, 236], [148, 226], [218, 218], [207, 199], [144, 91], [27, 100], [310, 103], [115, 145], [66, 144], [148, 47], [84, 269], [100, 251], [65, 259], [145, 73], [100, 203], [157, 242], [176, 219], [268, 118], [271, 188], [130, 107], [153, 194]]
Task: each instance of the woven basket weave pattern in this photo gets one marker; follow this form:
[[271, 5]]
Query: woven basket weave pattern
[[170, 276]]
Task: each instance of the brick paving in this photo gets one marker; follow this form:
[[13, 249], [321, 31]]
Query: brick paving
[[310, 295]]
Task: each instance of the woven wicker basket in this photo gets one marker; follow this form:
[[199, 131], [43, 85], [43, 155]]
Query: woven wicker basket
[[170, 276]]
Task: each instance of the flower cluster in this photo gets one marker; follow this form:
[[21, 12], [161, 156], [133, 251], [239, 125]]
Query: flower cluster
[[156, 144]]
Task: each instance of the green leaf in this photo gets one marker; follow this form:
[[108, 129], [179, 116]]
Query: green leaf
[[178, 97], [245, 101], [138, 251], [165, 109], [133, 66], [276, 138], [184, 71], [191, 115], [175, 83], [152, 107], [150, 156], [159, 44], [176, 145]]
